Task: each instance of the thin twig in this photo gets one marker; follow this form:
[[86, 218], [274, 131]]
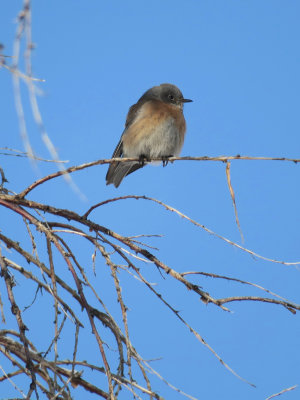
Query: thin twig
[[171, 159], [233, 199], [172, 209], [282, 391], [20, 153]]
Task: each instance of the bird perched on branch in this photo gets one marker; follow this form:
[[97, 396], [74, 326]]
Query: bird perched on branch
[[154, 128]]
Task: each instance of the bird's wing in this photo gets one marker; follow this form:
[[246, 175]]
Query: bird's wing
[[133, 112], [117, 170], [112, 168], [118, 152], [134, 167]]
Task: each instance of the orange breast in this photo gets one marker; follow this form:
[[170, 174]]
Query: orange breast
[[148, 119]]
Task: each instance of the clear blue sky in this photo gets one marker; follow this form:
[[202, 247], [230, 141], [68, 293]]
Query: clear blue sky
[[239, 61]]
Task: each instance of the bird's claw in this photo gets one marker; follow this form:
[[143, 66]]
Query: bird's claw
[[143, 159], [165, 160]]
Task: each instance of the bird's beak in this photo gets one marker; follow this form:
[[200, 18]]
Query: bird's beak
[[186, 100]]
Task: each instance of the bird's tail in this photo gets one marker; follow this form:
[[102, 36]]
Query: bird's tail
[[118, 170]]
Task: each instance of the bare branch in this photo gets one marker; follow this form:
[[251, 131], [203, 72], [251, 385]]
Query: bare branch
[[75, 168], [282, 392]]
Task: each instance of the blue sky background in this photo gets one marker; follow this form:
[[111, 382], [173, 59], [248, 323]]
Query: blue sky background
[[239, 61]]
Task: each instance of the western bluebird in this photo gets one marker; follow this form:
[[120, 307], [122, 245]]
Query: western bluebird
[[154, 128]]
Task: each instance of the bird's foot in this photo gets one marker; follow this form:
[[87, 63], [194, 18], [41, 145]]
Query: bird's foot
[[143, 159], [165, 160]]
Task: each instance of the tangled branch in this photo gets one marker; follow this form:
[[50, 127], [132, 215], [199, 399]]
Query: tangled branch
[[48, 375]]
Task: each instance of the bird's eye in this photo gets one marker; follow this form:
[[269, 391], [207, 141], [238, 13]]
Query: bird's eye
[[171, 97]]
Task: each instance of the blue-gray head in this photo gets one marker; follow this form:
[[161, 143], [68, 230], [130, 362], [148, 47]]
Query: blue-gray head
[[167, 93]]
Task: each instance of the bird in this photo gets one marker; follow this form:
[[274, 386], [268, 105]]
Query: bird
[[155, 128]]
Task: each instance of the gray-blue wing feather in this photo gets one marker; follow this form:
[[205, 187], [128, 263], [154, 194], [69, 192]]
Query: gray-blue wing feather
[[118, 170]]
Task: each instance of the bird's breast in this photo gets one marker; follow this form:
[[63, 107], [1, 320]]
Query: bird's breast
[[157, 131]]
